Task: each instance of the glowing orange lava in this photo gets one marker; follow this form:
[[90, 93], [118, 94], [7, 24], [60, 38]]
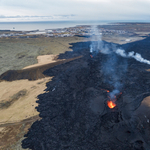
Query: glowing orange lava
[[91, 56], [106, 90], [111, 104]]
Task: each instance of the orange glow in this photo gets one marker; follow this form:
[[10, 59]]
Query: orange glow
[[111, 104], [106, 90], [91, 56]]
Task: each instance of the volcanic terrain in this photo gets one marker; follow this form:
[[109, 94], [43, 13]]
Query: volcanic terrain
[[75, 111]]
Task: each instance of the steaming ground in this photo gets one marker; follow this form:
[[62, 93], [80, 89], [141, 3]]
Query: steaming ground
[[132, 54], [25, 50], [70, 111], [97, 45], [73, 119], [112, 67]]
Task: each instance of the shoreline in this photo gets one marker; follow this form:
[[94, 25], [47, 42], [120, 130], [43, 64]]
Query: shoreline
[[47, 25]]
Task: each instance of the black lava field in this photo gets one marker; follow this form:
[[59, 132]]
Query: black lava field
[[74, 112]]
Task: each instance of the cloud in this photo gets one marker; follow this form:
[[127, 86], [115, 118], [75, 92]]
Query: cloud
[[35, 18], [82, 9], [61, 16], [95, 1]]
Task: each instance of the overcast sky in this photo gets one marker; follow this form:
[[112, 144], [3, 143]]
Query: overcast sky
[[47, 10]]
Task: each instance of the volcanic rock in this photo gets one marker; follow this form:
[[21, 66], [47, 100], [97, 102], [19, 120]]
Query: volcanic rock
[[74, 110]]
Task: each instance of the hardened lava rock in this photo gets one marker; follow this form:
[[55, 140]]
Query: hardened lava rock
[[74, 113]]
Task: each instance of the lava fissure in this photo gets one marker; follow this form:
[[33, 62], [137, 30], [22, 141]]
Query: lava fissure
[[81, 107]]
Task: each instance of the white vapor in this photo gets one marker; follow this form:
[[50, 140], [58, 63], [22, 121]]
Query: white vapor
[[97, 44], [132, 54], [111, 74], [96, 40]]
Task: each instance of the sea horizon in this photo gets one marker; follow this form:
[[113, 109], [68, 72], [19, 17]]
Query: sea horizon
[[43, 25]]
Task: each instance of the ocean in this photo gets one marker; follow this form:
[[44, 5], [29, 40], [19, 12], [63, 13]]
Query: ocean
[[28, 26]]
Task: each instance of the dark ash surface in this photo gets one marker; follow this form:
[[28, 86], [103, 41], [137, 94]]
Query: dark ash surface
[[74, 111]]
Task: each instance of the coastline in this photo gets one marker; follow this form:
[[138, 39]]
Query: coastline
[[45, 25]]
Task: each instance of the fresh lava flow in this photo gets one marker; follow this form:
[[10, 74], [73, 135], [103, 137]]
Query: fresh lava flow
[[111, 104], [91, 56], [105, 90]]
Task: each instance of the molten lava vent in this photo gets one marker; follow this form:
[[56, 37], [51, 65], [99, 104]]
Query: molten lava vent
[[111, 104], [83, 108]]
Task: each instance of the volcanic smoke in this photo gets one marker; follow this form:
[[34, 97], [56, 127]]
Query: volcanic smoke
[[76, 114], [98, 45], [112, 75], [132, 54]]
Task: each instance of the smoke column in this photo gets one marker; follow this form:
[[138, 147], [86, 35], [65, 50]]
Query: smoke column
[[96, 40], [97, 45], [112, 75], [132, 54], [114, 71]]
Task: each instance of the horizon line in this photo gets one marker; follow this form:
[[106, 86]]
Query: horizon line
[[94, 21]]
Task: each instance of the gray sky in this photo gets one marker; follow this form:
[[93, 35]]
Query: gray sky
[[47, 10]]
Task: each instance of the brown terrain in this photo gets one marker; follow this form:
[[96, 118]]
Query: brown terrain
[[18, 101], [20, 90]]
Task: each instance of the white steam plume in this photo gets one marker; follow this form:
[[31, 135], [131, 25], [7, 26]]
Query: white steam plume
[[96, 40], [112, 75], [97, 44], [113, 93], [132, 54]]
